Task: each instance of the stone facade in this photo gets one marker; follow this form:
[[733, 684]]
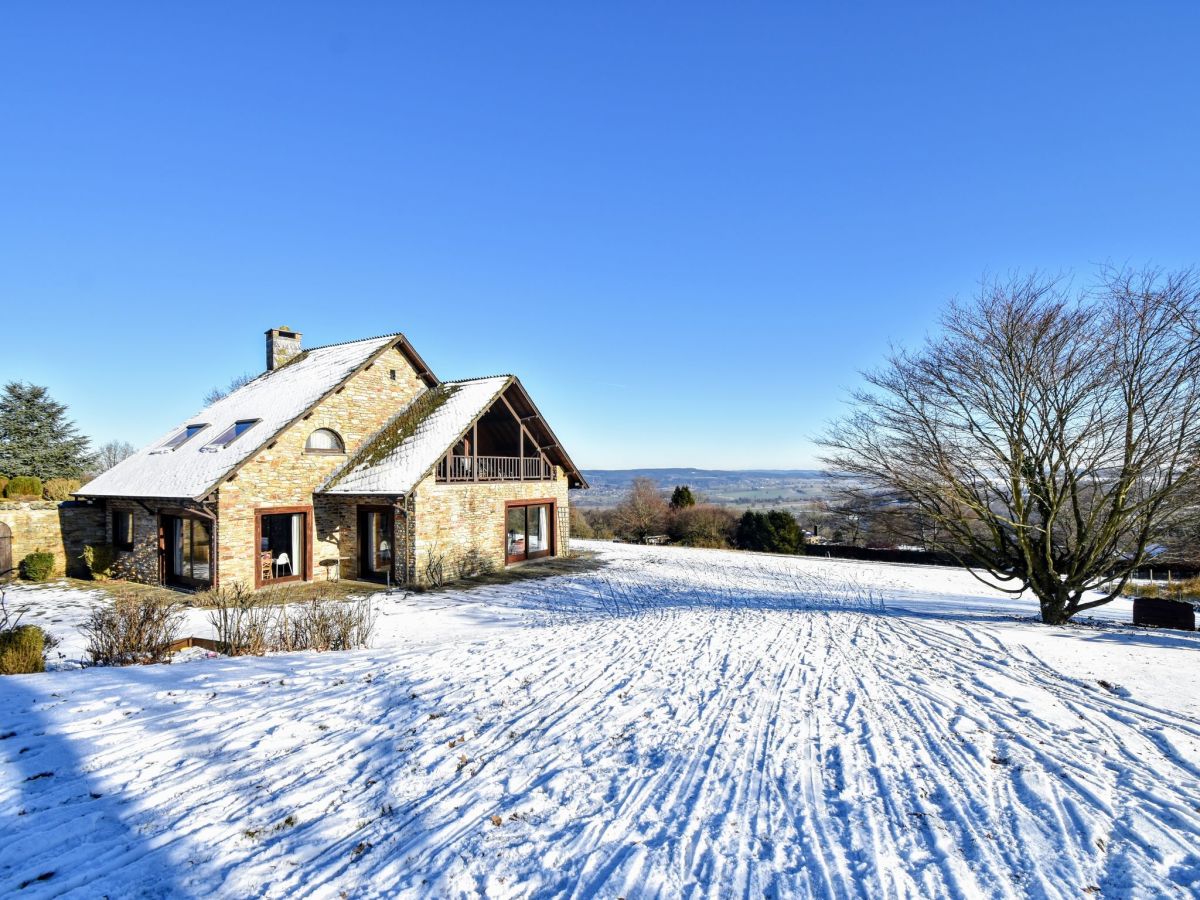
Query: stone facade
[[52, 527], [141, 564], [461, 526], [284, 475]]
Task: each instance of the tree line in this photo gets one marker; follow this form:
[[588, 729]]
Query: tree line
[[647, 513]]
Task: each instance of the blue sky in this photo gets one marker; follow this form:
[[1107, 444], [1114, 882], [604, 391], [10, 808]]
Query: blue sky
[[685, 226]]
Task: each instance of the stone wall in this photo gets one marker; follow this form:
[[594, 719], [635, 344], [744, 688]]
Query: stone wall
[[461, 525], [49, 526], [140, 563], [283, 474], [337, 527]]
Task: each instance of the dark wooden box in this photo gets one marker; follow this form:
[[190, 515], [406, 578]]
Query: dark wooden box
[[1163, 613]]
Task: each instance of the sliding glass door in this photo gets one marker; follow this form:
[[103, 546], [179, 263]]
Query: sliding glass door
[[375, 539], [187, 548], [528, 531]]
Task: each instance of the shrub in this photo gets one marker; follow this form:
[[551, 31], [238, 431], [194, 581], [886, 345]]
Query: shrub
[[22, 650], [580, 526], [61, 488], [703, 526], [435, 567], [252, 624], [134, 630], [242, 621], [37, 566], [325, 625], [773, 532], [99, 559], [472, 562], [24, 487], [3, 484]]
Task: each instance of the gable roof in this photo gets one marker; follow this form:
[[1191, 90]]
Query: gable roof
[[399, 469], [274, 399]]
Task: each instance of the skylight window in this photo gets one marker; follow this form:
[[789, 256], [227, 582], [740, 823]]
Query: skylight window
[[232, 433], [189, 432]]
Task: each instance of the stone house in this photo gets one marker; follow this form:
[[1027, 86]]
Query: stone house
[[351, 460]]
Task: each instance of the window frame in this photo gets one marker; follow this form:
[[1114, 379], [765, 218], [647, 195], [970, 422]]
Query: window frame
[[181, 437], [119, 544], [217, 444], [551, 523], [165, 543], [340, 450], [304, 573]]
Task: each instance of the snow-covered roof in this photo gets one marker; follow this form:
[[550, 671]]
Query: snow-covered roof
[[274, 399], [399, 470]]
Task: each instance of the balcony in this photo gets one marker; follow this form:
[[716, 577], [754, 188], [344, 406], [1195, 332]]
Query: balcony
[[457, 469]]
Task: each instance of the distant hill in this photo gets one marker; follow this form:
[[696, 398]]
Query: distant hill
[[743, 488]]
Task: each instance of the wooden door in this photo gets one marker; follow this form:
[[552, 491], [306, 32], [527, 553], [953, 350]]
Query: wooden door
[[5, 550]]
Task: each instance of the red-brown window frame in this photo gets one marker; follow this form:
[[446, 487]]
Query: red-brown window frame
[[541, 501], [306, 563]]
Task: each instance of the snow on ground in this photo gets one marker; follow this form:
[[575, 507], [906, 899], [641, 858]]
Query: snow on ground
[[678, 723]]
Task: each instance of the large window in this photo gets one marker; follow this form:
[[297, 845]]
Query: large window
[[188, 546], [282, 545], [122, 526], [528, 531]]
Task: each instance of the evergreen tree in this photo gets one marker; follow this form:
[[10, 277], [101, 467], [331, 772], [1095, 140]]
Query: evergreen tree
[[776, 531], [682, 497], [36, 437]]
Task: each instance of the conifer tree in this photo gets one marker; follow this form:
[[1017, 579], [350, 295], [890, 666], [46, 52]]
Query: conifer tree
[[682, 497], [37, 438]]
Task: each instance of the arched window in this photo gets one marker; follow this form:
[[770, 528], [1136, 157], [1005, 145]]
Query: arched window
[[324, 440]]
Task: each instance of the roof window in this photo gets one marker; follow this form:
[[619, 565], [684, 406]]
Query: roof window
[[188, 432], [231, 434]]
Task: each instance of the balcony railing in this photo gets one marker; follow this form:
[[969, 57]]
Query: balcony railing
[[494, 468]]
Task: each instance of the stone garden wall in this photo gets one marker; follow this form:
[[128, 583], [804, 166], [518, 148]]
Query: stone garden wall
[[53, 527]]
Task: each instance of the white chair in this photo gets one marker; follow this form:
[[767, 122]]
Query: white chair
[[282, 560]]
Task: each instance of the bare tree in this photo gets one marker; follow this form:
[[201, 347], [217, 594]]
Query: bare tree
[[221, 393], [642, 513], [112, 453], [1047, 437]]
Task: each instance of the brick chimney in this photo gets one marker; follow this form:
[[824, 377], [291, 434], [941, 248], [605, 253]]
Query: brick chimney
[[282, 345]]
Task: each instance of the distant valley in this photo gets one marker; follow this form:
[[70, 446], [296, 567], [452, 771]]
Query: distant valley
[[744, 489]]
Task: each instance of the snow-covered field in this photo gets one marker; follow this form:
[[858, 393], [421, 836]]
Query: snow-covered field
[[678, 723]]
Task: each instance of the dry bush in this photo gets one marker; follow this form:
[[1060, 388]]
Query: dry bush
[[248, 623], [60, 488], [473, 562], [1185, 589], [134, 630], [435, 567], [323, 624], [244, 623]]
